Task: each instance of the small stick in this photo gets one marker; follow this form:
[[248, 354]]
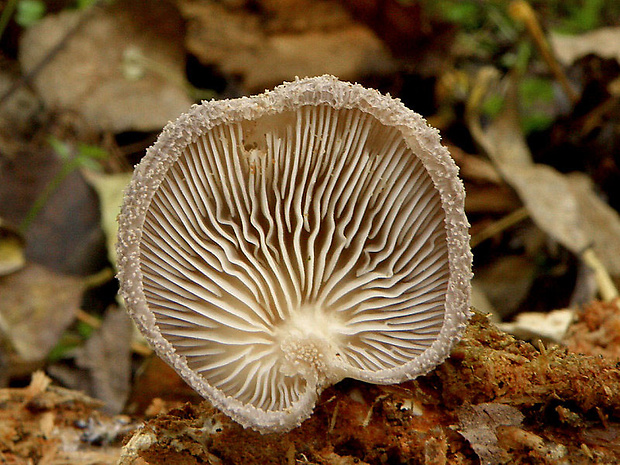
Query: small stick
[[521, 11], [332, 422], [500, 225]]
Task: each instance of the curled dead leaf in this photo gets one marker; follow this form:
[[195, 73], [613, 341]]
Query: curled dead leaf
[[567, 210]]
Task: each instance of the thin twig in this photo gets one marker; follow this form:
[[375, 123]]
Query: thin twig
[[523, 12], [500, 225]]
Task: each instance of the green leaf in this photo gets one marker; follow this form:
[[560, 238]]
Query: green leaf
[[536, 96], [536, 122], [492, 105], [29, 12], [584, 17], [535, 90], [84, 329], [67, 343], [81, 4], [465, 13], [92, 151], [60, 148]]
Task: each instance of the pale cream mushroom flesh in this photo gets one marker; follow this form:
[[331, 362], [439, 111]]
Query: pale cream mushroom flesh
[[271, 246]]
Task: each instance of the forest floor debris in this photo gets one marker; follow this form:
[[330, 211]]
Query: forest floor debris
[[497, 399]]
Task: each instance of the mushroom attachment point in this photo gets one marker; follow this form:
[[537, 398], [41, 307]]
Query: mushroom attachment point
[[270, 246]]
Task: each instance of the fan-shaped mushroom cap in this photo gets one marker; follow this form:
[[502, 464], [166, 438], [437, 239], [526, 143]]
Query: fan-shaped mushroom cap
[[273, 245]]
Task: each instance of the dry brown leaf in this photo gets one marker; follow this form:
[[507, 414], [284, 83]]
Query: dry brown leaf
[[564, 209], [107, 357], [88, 75], [550, 201], [479, 424], [264, 53], [603, 42], [506, 282], [502, 139], [473, 167], [17, 115], [36, 306], [65, 234], [600, 222]]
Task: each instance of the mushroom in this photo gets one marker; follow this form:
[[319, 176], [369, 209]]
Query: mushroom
[[270, 246]]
